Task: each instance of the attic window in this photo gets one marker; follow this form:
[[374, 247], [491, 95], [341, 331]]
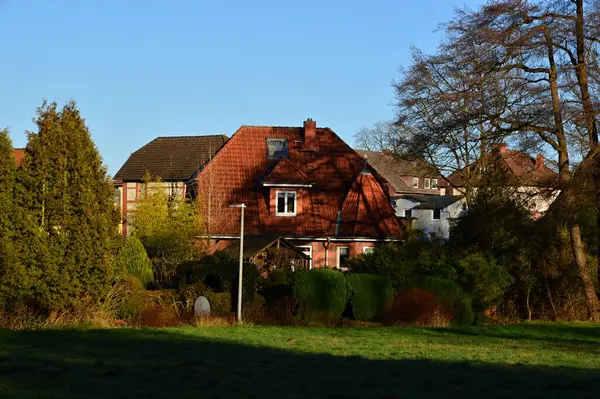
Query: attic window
[[433, 184], [427, 183], [277, 148]]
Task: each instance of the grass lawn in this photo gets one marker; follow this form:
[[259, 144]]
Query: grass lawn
[[526, 360]]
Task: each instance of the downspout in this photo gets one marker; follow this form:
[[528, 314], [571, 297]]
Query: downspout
[[326, 245]]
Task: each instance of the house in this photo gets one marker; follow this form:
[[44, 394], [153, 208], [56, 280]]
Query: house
[[431, 214], [406, 175], [173, 160], [303, 184], [528, 179], [19, 154]]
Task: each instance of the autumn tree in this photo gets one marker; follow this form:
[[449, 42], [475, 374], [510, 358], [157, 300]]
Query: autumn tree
[[69, 217], [168, 226]]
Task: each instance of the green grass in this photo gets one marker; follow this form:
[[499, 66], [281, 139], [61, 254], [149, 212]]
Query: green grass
[[526, 360]]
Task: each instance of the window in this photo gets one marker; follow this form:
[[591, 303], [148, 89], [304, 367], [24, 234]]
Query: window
[[118, 197], [343, 254], [277, 148], [407, 213], [368, 250], [437, 212], [415, 182], [427, 183], [286, 203], [434, 184], [307, 249]]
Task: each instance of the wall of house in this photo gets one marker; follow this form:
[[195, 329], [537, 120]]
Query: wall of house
[[423, 220], [130, 194], [408, 180], [320, 255]]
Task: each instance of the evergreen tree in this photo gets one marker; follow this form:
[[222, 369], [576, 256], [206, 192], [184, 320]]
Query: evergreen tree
[[12, 274], [71, 220]]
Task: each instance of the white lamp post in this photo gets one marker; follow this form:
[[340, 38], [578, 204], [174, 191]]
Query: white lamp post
[[239, 299]]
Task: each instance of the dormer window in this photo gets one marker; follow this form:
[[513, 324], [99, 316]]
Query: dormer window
[[427, 183], [277, 148], [286, 203], [434, 184], [415, 182]]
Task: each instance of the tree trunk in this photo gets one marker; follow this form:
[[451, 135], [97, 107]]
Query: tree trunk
[[588, 112], [591, 298]]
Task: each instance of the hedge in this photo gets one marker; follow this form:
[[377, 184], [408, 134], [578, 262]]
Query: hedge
[[369, 295], [321, 292]]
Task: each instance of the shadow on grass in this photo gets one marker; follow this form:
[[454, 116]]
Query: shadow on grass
[[587, 335], [155, 363]]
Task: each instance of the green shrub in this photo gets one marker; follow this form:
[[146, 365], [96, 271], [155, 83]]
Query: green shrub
[[278, 276], [219, 272], [321, 292], [391, 261], [369, 295], [136, 260]]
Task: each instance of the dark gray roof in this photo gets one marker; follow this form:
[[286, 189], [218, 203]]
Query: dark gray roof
[[171, 158], [434, 201], [393, 168]]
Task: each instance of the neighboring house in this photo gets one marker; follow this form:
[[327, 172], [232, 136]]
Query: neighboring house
[[173, 160], [411, 175], [19, 154], [431, 214], [302, 184], [528, 179]]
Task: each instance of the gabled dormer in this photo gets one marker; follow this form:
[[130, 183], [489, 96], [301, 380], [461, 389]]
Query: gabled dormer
[[286, 183]]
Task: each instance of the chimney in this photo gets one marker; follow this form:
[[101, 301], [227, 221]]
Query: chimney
[[539, 162], [310, 135], [501, 147]]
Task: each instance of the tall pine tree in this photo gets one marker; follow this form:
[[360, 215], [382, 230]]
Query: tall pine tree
[[71, 221]]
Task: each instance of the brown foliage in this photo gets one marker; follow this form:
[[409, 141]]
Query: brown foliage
[[417, 307]]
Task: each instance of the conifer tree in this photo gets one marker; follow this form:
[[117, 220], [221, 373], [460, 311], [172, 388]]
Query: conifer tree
[[12, 276], [71, 220]]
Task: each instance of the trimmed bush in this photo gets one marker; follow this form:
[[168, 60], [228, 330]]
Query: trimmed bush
[[136, 260], [321, 293], [369, 295]]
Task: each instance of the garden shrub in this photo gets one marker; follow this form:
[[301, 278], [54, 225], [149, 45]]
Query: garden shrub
[[369, 295], [219, 272], [390, 261], [136, 260], [321, 293], [417, 307], [278, 276]]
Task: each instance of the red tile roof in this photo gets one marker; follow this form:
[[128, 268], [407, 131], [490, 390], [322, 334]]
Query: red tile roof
[[237, 171], [19, 154], [287, 172], [365, 203], [519, 168]]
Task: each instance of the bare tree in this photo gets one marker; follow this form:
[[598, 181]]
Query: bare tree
[[512, 70]]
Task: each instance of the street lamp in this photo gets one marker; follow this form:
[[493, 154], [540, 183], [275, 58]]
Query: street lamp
[[239, 298]]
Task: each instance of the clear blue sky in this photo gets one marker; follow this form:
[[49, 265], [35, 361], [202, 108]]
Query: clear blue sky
[[141, 69]]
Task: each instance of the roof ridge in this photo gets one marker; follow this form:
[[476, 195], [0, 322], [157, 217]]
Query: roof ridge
[[190, 136]]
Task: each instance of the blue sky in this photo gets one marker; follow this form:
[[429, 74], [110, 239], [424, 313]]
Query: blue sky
[[142, 69]]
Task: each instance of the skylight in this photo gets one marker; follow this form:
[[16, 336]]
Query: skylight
[[277, 148]]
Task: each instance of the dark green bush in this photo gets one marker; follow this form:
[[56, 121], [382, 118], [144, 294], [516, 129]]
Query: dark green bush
[[219, 272], [278, 276], [320, 292], [369, 295], [391, 261]]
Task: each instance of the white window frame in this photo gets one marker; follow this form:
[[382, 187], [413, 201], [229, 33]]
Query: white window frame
[[415, 182], [368, 250], [434, 184], [285, 206], [339, 266], [426, 183], [310, 253], [433, 214]]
